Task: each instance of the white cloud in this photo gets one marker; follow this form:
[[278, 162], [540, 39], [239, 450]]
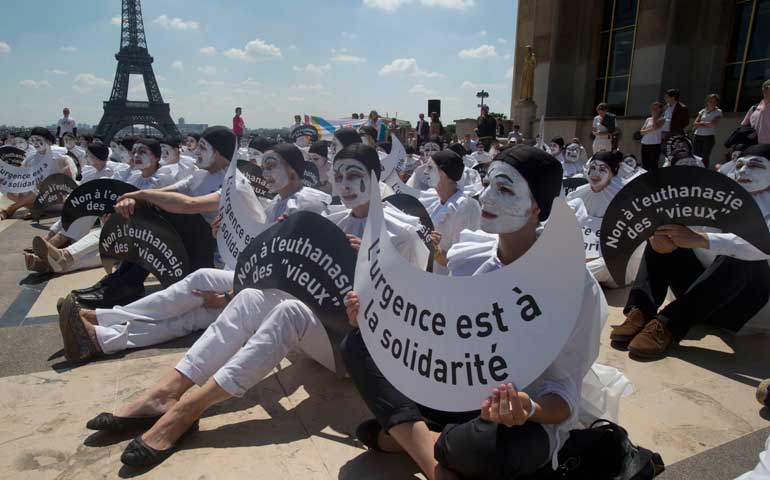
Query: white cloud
[[68, 49], [211, 83], [35, 84], [484, 51], [116, 21], [314, 69], [292, 47], [4, 48], [502, 41], [295, 99], [421, 89], [407, 66], [349, 36], [393, 5], [176, 23], [345, 58], [85, 82], [474, 86], [509, 73], [56, 72], [207, 70], [483, 33], [308, 88], [254, 50], [250, 83], [178, 65], [208, 51]]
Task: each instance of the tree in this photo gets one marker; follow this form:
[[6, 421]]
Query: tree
[[501, 116]]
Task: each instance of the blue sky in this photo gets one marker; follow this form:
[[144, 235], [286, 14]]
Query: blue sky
[[273, 58]]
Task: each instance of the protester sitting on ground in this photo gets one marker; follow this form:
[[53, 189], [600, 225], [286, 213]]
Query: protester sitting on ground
[[679, 152], [257, 148], [190, 144], [194, 302], [71, 144], [697, 264], [575, 158], [319, 155], [522, 183], [84, 253], [705, 129], [42, 159], [758, 116], [172, 161], [252, 334], [450, 210], [651, 137]]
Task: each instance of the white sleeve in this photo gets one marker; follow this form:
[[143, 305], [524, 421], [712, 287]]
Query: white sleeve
[[732, 245]]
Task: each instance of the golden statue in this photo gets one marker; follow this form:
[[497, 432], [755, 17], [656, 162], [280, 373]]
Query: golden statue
[[527, 90]]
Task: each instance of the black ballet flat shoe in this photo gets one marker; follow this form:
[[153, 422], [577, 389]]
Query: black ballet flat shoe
[[368, 432], [139, 454], [110, 423]]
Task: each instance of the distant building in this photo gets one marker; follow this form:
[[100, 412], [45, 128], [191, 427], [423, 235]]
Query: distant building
[[187, 128]]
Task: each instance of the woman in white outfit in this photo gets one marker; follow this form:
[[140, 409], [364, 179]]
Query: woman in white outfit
[[602, 137], [255, 331]]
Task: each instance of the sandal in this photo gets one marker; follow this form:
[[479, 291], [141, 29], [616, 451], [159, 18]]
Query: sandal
[[78, 346], [36, 264], [112, 423], [139, 454], [5, 215]]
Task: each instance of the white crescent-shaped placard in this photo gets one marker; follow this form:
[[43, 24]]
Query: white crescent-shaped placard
[[445, 342]]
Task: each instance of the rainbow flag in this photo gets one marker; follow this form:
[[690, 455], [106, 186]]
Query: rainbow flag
[[327, 127]]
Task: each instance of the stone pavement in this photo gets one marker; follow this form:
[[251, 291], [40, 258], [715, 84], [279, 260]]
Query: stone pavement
[[298, 422]]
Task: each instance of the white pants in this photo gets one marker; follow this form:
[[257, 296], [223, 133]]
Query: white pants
[[255, 331], [85, 252], [164, 315], [77, 230]]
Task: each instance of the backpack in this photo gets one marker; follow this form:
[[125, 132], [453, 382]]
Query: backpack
[[603, 451], [744, 134]]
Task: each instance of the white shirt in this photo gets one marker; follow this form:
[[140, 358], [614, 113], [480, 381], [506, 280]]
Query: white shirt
[[201, 183], [653, 137], [667, 114], [110, 169], [305, 198], [135, 178], [708, 117], [601, 142], [66, 124], [458, 213]]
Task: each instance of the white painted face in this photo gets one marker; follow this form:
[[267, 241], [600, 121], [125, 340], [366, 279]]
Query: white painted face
[[20, 143], [322, 164], [429, 148], [255, 156], [506, 201], [599, 175], [39, 143], [92, 160], [191, 144], [70, 143], [631, 162], [165, 153], [352, 182], [680, 150], [204, 154], [753, 173], [141, 157], [431, 175], [572, 153], [274, 171]]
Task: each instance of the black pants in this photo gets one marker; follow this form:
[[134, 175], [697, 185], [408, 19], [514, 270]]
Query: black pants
[[726, 295], [702, 146], [650, 157], [468, 445], [127, 274]]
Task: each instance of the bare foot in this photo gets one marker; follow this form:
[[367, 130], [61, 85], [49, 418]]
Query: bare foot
[[172, 425], [147, 404], [91, 334], [88, 316]]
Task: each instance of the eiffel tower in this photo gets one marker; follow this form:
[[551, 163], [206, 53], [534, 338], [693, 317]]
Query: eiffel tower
[[133, 58]]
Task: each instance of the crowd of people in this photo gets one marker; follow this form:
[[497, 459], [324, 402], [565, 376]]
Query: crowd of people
[[488, 198]]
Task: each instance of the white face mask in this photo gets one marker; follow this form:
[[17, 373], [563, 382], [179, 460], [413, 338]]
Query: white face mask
[[506, 201], [70, 143], [431, 175], [274, 172], [20, 143], [631, 162], [352, 182], [39, 144], [322, 164], [753, 173], [255, 156], [572, 153], [141, 157], [429, 149], [191, 145], [166, 154], [599, 175], [204, 154]]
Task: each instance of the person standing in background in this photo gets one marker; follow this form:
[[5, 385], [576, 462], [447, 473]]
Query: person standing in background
[[705, 128], [602, 135], [758, 116], [676, 115], [485, 127], [66, 124], [238, 126], [423, 129], [436, 128], [651, 137]]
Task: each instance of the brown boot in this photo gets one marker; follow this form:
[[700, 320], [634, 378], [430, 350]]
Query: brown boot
[[652, 342], [626, 331]]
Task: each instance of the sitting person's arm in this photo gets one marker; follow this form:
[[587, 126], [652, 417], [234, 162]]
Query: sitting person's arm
[[512, 408], [169, 201], [727, 244]]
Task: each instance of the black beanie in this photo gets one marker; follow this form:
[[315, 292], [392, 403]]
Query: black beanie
[[43, 132], [152, 144], [364, 154], [450, 163], [612, 159], [458, 149], [171, 141], [541, 170], [222, 139], [758, 150], [347, 136], [320, 148], [292, 156], [99, 151], [387, 146], [127, 142], [261, 143]]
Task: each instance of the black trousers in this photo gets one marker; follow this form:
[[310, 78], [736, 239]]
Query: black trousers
[[702, 147], [468, 445], [726, 295], [650, 157]]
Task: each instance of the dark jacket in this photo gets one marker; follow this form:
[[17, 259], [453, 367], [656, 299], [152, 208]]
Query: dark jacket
[[486, 126], [680, 118], [423, 130]]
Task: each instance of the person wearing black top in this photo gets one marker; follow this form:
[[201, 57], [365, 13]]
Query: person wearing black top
[[485, 128]]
